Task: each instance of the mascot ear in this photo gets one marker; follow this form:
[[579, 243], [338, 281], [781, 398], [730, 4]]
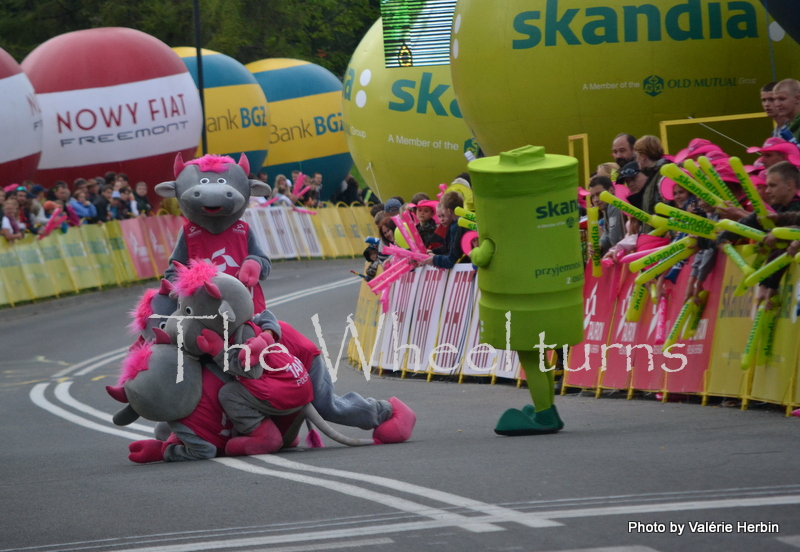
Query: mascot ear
[[166, 287], [227, 311], [244, 163], [166, 189], [259, 189], [179, 165], [213, 290]]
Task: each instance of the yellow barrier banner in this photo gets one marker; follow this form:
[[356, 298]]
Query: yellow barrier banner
[[100, 255], [772, 381], [326, 236], [297, 233], [11, 273], [333, 222], [3, 293], [351, 228], [56, 265], [734, 320], [34, 268], [77, 259], [365, 222], [368, 312], [123, 265]]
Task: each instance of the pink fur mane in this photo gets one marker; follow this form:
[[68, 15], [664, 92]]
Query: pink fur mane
[[191, 279], [136, 361], [142, 312], [213, 163]]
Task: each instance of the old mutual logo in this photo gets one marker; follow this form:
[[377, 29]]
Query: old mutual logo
[[653, 85]]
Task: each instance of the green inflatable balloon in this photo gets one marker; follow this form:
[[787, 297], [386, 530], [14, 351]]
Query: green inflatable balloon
[[403, 125], [536, 72]]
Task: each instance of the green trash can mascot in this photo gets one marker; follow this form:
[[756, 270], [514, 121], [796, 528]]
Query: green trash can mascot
[[530, 269]]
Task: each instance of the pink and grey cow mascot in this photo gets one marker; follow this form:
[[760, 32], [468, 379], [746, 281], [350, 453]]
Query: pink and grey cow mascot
[[218, 372]]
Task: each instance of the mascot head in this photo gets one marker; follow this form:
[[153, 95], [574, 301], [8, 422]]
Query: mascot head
[[212, 191]]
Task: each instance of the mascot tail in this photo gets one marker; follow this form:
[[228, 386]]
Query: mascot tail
[[313, 416]]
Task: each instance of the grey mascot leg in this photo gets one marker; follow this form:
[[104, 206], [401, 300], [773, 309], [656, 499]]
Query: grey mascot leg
[[193, 447], [350, 410], [244, 410], [162, 431]]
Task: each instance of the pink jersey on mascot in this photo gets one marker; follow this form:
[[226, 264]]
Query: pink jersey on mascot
[[213, 193]]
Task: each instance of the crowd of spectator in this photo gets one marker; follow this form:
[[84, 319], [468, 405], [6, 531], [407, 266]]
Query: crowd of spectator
[[635, 177], [28, 207]]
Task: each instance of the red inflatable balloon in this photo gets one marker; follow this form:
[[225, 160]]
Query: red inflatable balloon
[[113, 99], [21, 139]]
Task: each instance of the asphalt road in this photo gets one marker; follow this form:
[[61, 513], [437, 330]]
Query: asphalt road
[[66, 482]]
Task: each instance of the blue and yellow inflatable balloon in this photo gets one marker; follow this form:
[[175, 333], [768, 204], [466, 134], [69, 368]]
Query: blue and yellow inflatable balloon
[[306, 131], [237, 113]]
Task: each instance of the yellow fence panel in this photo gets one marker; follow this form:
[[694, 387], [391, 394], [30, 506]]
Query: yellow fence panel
[[56, 265], [365, 222], [100, 255], [772, 381], [34, 268], [734, 320], [123, 264], [351, 228], [77, 259], [16, 287]]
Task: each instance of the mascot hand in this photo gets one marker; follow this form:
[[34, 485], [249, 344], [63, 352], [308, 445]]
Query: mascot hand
[[210, 342], [249, 273], [256, 346]]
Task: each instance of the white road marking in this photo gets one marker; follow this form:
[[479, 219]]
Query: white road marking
[[447, 518], [673, 507], [311, 291], [791, 541], [78, 366], [529, 520], [327, 546], [98, 364], [62, 394], [38, 398], [634, 548]]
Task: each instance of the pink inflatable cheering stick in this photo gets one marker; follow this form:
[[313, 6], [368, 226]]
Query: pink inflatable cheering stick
[[56, 219], [270, 201], [304, 211], [387, 274], [302, 192], [386, 284], [385, 301], [402, 253], [412, 229]]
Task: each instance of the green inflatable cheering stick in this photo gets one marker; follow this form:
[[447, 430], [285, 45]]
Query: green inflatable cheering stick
[[530, 269]]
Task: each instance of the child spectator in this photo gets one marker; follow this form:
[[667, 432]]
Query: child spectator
[[392, 207], [127, 206], [103, 204], [11, 228], [427, 226], [82, 206], [613, 219], [386, 230], [140, 197], [450, 253], [61, 192], [117, 206]]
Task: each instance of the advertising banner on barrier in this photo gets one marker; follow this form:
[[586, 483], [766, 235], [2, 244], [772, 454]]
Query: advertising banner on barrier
[[773, 378], [481, 359], [157, 242], [617, 374], [306, 228], [77, 259], [459, 301], [326, 238], [169, 229], [136, 244], [599, 301], [32, 263], [100, 255], [298, 238], [335, 228], [394, 349], [365, 221], [366, 319], [698, 348], [426, 311], [351, 227], [123, 265], [257, 220], [280, 224], [13, 277], [56, 266], [734, 321]]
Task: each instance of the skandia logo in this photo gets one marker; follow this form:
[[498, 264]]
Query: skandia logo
[[690, 20], [556, 209]]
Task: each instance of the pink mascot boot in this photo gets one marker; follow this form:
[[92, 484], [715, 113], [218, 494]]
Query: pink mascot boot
[[398, 427], [264, 439], [150, 450]]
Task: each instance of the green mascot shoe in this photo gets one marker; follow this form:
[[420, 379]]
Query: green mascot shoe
[[530, 411], [515, 422]]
